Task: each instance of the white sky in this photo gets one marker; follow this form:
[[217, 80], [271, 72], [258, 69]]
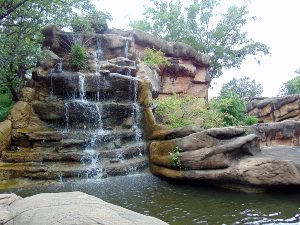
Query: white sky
[[278, 28]]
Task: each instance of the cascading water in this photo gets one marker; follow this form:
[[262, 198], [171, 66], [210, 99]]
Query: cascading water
[[126, 48]]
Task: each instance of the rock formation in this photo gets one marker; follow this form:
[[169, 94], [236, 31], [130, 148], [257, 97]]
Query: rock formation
[[277, 109], [74, 208], [222, 156]]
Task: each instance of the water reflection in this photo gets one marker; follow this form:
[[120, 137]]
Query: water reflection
[[182, 204]]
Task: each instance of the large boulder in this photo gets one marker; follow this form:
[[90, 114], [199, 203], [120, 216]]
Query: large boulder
[[74, 208]]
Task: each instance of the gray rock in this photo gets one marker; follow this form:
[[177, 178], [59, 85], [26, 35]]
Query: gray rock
[[74, 208]]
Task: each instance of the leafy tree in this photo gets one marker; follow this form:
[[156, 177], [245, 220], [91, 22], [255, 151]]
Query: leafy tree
[[20, 37], [244, 87], [219, 35], [93, 20], [291, 87]]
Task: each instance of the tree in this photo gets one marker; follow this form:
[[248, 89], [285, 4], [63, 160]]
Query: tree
[[219, 35], [20, 37], [291, 87], [244, 87]]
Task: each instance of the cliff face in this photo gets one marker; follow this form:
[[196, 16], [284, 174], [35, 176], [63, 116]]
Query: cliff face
[[187, 73], [277, 109]]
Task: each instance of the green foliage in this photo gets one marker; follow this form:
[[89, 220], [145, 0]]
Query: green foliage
[[175, 158], [78, 57], [219, 35], [93, 20], [291, 87], [244, 87], [153, 57], [6, 102], [20, 38], [98, 20], [81, 24], [228, 110], [178, 111]]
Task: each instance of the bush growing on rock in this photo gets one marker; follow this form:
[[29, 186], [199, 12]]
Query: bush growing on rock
[[153, 57], [228, 110], [78, 58]]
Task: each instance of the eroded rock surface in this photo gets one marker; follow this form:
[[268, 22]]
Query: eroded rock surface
[[74, 208], [276, 109], [222, 156]]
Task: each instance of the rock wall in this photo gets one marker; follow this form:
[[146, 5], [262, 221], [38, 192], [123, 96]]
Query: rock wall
[[276, 109], [189, 75], [276, 134], [5, 135]]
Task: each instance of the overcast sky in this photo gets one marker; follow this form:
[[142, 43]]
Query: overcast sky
[[278, 28]]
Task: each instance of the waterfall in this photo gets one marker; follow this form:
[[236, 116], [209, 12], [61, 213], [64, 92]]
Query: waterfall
[[126, 48], [99, 52], [77, 38], [81, 80], [66, 106]]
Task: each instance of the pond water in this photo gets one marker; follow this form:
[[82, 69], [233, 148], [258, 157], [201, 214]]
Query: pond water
[[181, 204]]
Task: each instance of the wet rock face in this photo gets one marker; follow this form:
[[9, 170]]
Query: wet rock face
[[67, 208], [277, 109], [221, 156], [187, 73]]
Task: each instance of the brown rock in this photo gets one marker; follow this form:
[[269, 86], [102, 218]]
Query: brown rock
[[5, 134], [27, 94], [269, 172], [20, 114]]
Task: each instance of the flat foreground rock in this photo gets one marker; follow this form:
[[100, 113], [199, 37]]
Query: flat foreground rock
[[74, 208]]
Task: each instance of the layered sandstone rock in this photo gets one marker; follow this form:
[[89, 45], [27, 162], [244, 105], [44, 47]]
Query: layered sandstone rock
[[222, 156], [74, 208], [276, 109], [186, 74], [5, 135]]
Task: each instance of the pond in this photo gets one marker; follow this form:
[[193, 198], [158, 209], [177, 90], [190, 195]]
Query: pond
[[181, 204]]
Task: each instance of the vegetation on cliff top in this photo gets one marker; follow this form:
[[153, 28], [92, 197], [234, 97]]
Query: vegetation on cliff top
[[201, 25]]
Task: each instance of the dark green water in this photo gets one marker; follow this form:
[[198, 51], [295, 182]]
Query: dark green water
[[184, 204]]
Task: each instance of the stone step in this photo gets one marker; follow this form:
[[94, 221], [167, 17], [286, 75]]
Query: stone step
[[67, 84], [81, 113], [54, 170], [126, 167], [78, 137], [100, 137], [72, 154]]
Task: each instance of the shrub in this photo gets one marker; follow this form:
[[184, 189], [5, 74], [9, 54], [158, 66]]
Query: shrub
[[6, 102], [78, 57], [177, 111], [153, 57], [174, 157]]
